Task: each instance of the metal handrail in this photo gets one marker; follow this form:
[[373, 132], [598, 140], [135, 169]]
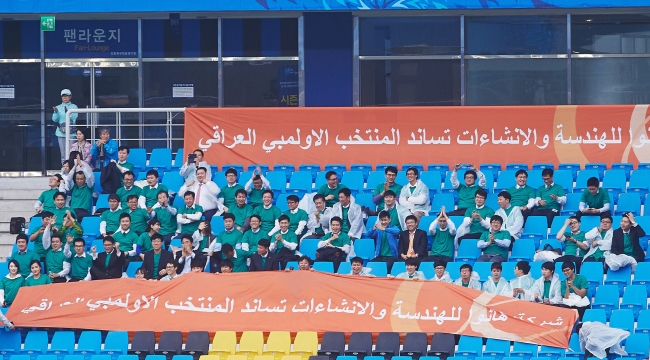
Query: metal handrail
[[168, 111]]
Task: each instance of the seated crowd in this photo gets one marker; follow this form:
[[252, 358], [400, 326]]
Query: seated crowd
[[141, 223]]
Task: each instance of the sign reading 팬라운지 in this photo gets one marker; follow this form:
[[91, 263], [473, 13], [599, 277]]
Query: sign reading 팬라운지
[[96, 39]]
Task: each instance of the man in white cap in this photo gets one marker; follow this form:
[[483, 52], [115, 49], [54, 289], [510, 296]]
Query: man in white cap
[[59, 118]]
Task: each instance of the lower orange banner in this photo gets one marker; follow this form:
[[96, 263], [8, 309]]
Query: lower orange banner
[[290, 301]]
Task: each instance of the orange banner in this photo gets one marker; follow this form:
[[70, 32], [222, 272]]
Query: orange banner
[[425, 135], [290, 301]]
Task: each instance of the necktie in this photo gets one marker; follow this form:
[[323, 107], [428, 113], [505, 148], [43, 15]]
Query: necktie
[[198, 194], [410, 251]]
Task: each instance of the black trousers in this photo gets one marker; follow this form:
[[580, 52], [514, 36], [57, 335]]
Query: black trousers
[[550, 214], [469, 236], [574, 259], [580, 214], [457, 212]]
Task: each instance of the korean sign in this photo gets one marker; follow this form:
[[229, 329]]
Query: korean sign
[[93, 39]]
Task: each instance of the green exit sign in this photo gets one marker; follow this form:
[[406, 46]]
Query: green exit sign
[[47, 23]]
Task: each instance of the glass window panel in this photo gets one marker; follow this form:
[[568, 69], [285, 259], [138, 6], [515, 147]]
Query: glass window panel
[[611, 81], [20, 141], [260, 37], [160, 78], [409, 82], [260, 83], [516, 81], [611, 34], [515, 35], [409, 36]]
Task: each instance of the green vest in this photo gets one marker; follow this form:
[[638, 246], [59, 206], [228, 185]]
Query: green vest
[[268, 217], [228, 195], [79, 266], [168, 222], [11, 287], [326, 191], [233, 237], [47, 199], [81, 197], [194, 225], [545, 194], [24, 259], [124, 194], [241, 213], [521, 196], [60, 215], [288, 237], [252, 238], [396, 188], [294, 219], [139, 220], [126, 240], [112, 219], [54, 260], [151, 195], [494, 248], [42, 280], [570, 247], [476, 227], [255, 197], [443, 243], [466, 196], [144, 241], [341, 241]]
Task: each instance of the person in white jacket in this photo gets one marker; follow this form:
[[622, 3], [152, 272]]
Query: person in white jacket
[[415, 195], [350, 213], [468, 278], [316, 229], [441, 272], [523, 280], [513, 220], [546, 289], [495, 284], [188, 170], [599, 240]]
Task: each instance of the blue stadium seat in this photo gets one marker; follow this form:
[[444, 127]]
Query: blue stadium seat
[[625, 167], [516, 166], [278, 180], [564, 178], [62, 344], [599, 167], [20, 357], [287, 168], [175, 243], [419, 167], [313, 169], [644, 221], [635, 299], [427, 268], [320, 180], [642, 276], [490, 184], [300, 183], [497, 348], [263, 167], [606, 299], [524, 350], [339, 168], [536, 228], [443, 199], [494, 168], [590, 222], [219, 178], [46, 357], [637, 346], [324, 266], [583, 176], [244, 176], [574, 168], [505, 180], [377, 268], [344, 268], [483, 270], [116, 344], [622, 319], [470, 347], [375, 178], [370, 223], [442, 168], [593, 271], [535, 179], [98, 184], [90, 225], [628, 202], [382, 167], [3, 272], [639, 183], [574, 347], [178, 202], [557, 224], [36, 343], [549, 352], [508, 272], [401, 178], [643, 322], [179, 159], [365, 248], [365, 199], [572, 204], [398, 268], [467, 251], [90, 342], [238, 167], [354, 181], [216, 224], [293, 264], [554, 244], [614, 182], [432, 180], [620, 278], [173, 180], [160, 159], [34, 224], [523, 250], [138, 157], [364, 168], [281, 202], [542, 166], [598, 315], [453, 268], [308, 247], [102, 202], [492, 201]]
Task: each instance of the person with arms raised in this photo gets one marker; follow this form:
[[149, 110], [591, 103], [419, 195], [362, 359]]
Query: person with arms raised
[[108, 264], [45, 201], [466, 192], [256, 186], [332, 189], [390, 173]]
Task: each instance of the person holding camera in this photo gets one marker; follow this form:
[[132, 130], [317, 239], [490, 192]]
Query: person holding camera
[[59, 118], [195, 161]]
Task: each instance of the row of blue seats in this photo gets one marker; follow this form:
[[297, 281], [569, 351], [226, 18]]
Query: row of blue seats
[[621, 319]]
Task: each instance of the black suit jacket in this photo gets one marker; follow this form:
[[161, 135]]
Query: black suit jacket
[[271, 262], [115, 264], [162, 264], [420, 243], [618, 243]]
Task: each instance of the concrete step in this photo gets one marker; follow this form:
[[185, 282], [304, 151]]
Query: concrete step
[[6, 245], [24, 183], [14, 194], [6, 215]]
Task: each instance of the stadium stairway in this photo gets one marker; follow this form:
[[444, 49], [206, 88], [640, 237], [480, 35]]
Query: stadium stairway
[[17, 197]]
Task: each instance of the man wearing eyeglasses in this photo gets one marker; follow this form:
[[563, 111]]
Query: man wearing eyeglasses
[[599, 240], [331, 190], [575, 247]]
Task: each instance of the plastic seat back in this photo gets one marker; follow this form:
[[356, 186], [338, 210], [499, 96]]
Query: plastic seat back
[[360, 344], [160, 159], [116, 344], [197, 344], [251, 344], [305, 344], [333, 343], [224, 343], [278, 344]]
